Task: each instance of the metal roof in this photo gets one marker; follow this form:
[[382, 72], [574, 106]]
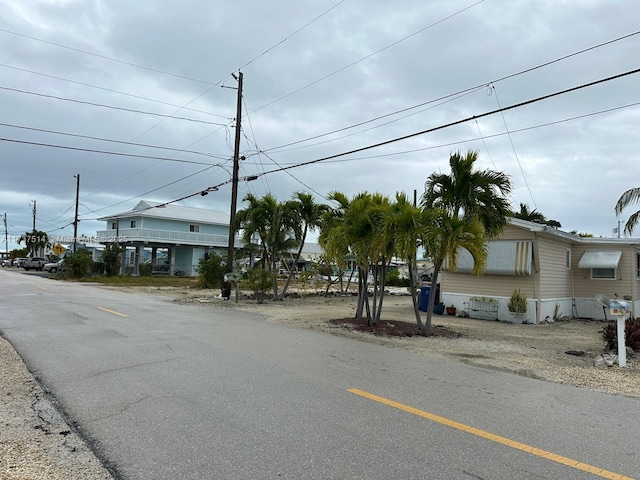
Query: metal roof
[[600, 259], [172, 211]]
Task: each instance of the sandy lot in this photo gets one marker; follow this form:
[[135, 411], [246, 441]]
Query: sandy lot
[[37, 443]]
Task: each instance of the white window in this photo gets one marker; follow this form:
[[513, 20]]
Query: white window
[[603, 273], [568, 259], [194, 228], [133, 224], [114, 225]]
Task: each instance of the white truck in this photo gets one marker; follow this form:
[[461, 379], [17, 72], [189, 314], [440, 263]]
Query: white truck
[[34, 263]]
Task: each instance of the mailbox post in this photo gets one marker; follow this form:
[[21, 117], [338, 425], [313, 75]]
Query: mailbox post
[[620, 311]]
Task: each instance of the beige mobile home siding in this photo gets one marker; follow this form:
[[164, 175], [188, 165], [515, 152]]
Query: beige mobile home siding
[[495, 285], [555, 277], [624, 283]]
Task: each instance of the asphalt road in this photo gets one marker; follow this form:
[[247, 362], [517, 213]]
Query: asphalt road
[[164, 391]]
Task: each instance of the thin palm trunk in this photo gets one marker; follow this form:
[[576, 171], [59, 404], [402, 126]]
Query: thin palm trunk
[[412, 286], [432, 294]]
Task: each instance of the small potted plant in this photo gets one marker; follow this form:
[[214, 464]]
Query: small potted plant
[[518, 306], [451, 310], [438, 308]]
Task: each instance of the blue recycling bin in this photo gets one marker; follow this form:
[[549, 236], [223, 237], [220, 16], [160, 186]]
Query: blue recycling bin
[[425, 292]]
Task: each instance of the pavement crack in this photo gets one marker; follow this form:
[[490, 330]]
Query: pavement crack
[[127, 367], [121, 409]]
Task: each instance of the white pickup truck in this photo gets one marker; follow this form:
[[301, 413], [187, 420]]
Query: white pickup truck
[[35, 263]]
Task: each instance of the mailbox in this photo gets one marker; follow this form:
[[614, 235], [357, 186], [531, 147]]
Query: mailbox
[[619, 309]]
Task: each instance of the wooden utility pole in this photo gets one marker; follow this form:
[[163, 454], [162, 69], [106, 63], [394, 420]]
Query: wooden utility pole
[[75, 219], [234, 177], [6, 237], [34, 216]]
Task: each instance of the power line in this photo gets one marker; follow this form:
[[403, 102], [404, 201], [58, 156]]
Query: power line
[[464, 91], [50, 145], [111, 90], [131, 64], [102, 105], [458, 122], [371, 54], [110, 140], [404, 137], [291, 35]]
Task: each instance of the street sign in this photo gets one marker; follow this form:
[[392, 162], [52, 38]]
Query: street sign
[[58, 249], [232, 277]]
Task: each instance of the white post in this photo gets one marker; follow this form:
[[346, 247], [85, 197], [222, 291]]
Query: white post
[[622, 344]]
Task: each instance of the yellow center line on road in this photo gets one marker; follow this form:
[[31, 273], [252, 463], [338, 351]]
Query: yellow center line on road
[[113, 311], [495, 438]]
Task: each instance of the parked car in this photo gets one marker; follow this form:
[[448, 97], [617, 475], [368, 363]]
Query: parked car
[[18, 262], [53, 267], [34, 263], [6, 262]]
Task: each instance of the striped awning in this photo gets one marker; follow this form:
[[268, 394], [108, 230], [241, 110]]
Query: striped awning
[[505, 257], [600, 259]]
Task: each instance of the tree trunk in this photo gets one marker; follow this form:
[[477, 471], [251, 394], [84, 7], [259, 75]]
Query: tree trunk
[[432, 293], [295, 264], [412, 286], [383, 284]]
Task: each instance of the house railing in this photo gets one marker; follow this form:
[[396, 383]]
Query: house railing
[[126, 235]]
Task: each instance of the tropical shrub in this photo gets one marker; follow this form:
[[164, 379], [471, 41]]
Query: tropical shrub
[[260, 281], [631, 334], [517, 302], [145, 269], [211, 271], [78, 264], [110, 257]]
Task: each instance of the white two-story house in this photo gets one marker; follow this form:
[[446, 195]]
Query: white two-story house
[[172, 238]]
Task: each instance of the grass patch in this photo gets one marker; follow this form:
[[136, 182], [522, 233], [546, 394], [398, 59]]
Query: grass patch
[[129, 280]]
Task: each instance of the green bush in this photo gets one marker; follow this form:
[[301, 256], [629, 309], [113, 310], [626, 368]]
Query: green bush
[[517, 302], [631, 334], [260, 281], [111, 257], [145, 269], [210, 271], [78, 264]]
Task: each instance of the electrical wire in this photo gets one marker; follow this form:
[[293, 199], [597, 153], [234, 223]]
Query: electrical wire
[[54, 132], [139, 97], [466, 90], [513, 147], [102, 105], [66, 147], [404, 137], [105, 57]]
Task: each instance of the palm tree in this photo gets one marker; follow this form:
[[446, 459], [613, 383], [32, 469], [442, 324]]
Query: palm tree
[[274, 224], [481, 194], [308, 214], [470, 205], [353, 229], [443, 237], [534, 216], [35, 241], [403, 223], [629, 197]]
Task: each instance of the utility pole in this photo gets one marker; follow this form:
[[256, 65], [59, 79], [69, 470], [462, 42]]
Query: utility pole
[[34, 216], [75, 219], [234, 177], [6, 237]]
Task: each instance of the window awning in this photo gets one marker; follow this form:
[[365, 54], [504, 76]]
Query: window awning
[[600, 259], [505, 257]]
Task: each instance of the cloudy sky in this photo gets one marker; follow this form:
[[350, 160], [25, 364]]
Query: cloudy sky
[[138, 98]]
